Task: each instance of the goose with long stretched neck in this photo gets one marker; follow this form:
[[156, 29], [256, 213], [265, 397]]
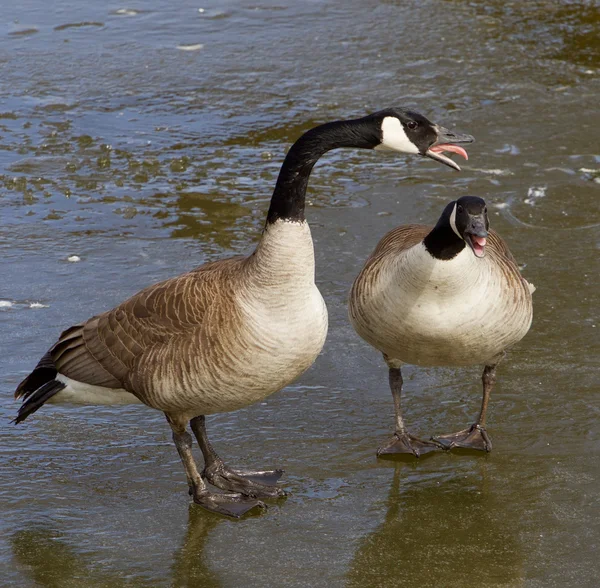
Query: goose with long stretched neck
[[228, 333], [451, 295]]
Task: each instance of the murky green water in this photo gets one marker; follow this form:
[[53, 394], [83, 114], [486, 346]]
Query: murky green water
[[145, 138]]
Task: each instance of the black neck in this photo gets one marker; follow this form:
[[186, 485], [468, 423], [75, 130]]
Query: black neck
[[288, 197], [443, 242]]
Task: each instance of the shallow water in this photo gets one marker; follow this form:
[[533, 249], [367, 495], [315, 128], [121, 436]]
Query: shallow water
[[145, 139]]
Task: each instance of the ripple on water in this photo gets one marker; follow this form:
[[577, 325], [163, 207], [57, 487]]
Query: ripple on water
[[24, 32], [534, 193], [19, 305], [190, 47], [126, 12], [213, 13], [78, 25]]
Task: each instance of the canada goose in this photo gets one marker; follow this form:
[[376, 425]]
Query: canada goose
[[447, 296], [228, 333]]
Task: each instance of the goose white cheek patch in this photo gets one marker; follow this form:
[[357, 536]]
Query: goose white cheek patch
[[394, 138], [453, 221]]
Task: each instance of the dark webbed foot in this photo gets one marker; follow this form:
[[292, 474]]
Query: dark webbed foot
[[265, 477], [407, 443], [402, 442], [231, 505], [257, 484], [475, 437]]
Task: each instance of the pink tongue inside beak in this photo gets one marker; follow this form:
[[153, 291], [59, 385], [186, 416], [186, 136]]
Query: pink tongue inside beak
[[478, 244], [449, 147]]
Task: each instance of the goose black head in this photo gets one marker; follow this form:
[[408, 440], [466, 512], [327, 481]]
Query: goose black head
[[469, 220], [407, 131], [463, 221]]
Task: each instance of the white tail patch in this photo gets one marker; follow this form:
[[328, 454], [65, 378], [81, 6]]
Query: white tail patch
[[81, 393]]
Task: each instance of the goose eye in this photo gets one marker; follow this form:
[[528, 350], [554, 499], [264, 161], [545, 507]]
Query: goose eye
[[412, 125], [459, 208]]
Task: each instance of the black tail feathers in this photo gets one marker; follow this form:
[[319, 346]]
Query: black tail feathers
[[38, 387]]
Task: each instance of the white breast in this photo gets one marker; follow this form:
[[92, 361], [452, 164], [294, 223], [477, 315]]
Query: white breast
[[425, 311], [286, 314], [277, 329]]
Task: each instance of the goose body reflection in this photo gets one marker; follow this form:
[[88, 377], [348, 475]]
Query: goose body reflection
[[441, 532], [49, 557]]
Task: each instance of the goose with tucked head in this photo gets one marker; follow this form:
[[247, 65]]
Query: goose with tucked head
[[226, 334], [448, 296]]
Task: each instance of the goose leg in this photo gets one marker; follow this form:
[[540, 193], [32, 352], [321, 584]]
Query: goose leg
[[257, 484], [233, 505], [474, 437], [403, 441]]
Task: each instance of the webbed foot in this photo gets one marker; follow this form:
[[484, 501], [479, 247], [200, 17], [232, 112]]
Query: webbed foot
[[265, 477], [407, 443], [475, 437], [231, 505], [256, 484]]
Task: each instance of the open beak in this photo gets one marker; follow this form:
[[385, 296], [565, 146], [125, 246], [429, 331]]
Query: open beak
[[476, 236], [450, 142]]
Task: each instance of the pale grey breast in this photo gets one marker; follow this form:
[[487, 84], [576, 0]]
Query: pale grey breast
[[425, 311]]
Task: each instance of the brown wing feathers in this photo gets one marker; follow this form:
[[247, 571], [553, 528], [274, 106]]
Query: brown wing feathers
[[103, 350], [73, 359], [400, 239], [498, 244]]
